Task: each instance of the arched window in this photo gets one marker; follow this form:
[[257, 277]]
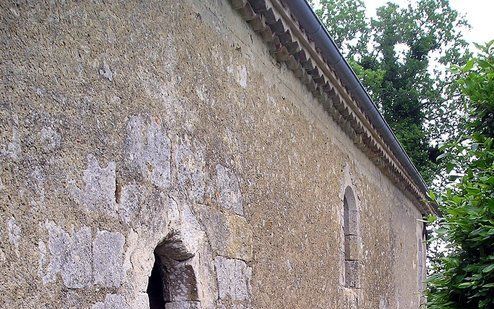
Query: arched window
[[350, 229], [173, 279]]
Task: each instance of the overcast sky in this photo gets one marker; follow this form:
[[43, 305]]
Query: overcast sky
[[479, 14]]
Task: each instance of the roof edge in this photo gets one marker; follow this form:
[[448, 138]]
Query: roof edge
[[295, 36], [306, 16]]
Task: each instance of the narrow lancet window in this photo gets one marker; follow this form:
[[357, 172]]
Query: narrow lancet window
[[350, 229]]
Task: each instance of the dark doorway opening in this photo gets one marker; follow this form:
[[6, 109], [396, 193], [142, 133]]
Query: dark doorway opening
[[173, 278], [157, 287]]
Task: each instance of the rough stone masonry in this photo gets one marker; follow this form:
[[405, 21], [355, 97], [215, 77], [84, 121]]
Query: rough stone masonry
[[155, 154]]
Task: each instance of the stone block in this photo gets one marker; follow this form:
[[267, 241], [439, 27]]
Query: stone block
[[131, 198], [233, 279], [352, 274], [182, 282], [351, 248], [76, 269], [229, 234], [190, 164], [67, 254], [351, 222], [149, 150], [112, 301], [98, 193], [229, 195], [108, 258]]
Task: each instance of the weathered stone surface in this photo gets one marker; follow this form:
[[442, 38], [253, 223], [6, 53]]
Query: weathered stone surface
[[173, 212], [152, 216], [185, 233], [141, 301], [351, 248], [233, 279], [148, 150], [183, 305], [192, 127], [130, 201], [35, 183], [138, 263], [69, 255], [351, 299], [105, 71], [174, 247], [98, 193], [191, 177], [112, 301], [228, 186], [108, 258], [229, 234], [42, 260], [239, 73], [72, 300], [182, 282], [50, 139], [14, 232], [12, 150], [352, 223], [352, 274], [383, 304]]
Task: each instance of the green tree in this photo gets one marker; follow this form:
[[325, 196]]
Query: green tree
[[464, 277], [402, 56], [346, 22]]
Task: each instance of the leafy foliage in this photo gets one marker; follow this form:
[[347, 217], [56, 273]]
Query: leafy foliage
[[346, 22], [464, 277], [392, 54]]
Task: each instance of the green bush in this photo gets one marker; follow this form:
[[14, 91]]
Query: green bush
[[463, 277]]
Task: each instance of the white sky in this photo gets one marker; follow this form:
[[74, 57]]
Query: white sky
[[479, 14]]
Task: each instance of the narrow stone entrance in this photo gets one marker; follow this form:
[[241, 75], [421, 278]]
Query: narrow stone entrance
[[157, 285], [172, 283]]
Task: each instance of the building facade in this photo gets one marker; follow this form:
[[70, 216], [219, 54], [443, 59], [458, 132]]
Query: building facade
[[195, 154]]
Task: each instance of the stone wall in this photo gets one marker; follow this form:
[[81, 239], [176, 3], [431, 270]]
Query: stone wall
[[162, 137]]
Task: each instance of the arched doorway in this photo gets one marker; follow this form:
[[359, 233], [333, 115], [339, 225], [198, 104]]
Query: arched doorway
[[173, 278]]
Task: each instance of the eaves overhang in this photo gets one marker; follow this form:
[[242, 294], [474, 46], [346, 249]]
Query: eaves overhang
[[296, 37]]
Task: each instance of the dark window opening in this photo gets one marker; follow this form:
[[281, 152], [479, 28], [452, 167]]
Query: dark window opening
[[350, 230], [172, 278]]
